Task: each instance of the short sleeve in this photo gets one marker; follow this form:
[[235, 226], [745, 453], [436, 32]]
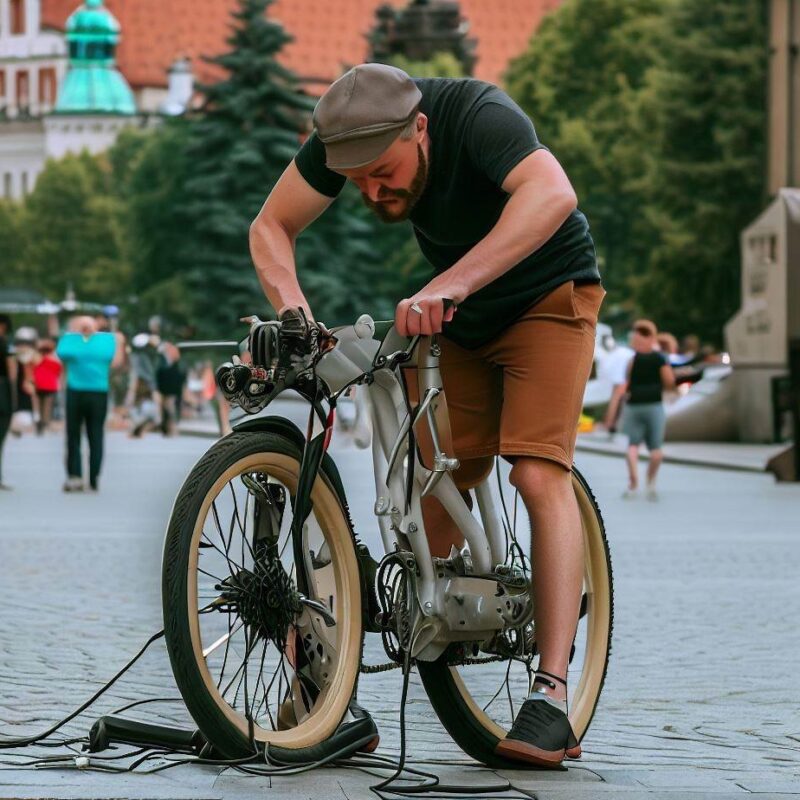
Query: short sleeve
[[310, 161], [499, 136], [107, 346], [65, 350]]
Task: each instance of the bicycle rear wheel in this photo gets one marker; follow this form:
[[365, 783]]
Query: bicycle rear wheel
[[477, 702]]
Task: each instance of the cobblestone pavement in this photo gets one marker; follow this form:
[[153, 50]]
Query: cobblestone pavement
[[701, 698]]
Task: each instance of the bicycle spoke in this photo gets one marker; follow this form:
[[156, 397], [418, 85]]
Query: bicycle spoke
[[227, 650], [237, 674], [243, 618], [222, 640], [227, 543], [223, 554]]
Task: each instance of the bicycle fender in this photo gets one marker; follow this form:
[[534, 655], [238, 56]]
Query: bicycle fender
[[285, 427]]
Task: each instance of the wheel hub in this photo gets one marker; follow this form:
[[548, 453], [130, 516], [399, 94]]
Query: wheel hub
[[265, 599]]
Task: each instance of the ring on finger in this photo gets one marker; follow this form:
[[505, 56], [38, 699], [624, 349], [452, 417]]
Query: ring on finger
[[415, 307]]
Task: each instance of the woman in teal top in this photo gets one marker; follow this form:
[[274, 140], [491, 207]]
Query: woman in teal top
[[87, 355]]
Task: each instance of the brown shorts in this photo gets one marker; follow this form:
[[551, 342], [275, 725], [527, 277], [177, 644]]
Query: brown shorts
[[521, 394]]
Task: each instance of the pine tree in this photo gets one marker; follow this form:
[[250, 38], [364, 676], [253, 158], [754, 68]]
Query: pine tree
[[242, 139], [708, 162]]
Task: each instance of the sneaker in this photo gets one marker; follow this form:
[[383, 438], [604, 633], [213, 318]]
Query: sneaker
[[630, 494], [4, 487], [541, 734], [652, 494], [73, 485]]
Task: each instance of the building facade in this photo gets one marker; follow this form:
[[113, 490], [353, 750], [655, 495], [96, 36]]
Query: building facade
[[62, 92], [33, 62]]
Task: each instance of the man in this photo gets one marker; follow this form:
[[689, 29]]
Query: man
[[496, 216], [87, 355]]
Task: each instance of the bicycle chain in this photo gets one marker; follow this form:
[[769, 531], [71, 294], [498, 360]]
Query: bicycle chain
[[371, 669]]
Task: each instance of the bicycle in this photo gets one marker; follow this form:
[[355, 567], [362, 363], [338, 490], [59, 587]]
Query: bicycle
[[268, 593]]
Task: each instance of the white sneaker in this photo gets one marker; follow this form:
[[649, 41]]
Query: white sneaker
[[73, 485], [630, 494], [652, 494]]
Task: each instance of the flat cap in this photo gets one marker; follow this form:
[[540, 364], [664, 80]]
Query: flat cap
[[363, 112]]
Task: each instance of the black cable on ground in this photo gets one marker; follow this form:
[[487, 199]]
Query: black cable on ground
[[24, 741], [255, 764]]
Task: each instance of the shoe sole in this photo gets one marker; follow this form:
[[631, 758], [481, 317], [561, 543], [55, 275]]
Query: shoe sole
[[521, 751]]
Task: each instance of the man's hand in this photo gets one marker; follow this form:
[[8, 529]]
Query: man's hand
[[431, 314]]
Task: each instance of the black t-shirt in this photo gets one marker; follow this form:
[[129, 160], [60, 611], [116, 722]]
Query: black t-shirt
[[478, 135], [645, 384]]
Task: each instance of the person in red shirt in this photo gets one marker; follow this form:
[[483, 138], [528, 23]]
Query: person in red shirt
[[47, 371]]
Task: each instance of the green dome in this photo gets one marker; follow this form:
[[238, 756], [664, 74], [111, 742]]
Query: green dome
[[93, 84]]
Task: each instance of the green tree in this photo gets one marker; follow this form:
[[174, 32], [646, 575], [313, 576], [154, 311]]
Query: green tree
[[707, 169], [11, 241], [246, 133], [440, 65], [151, 171], [581, 81], [72, 231]]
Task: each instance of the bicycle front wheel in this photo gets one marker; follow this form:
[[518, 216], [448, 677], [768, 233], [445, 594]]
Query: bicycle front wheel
[[264, 633], [477, 701]]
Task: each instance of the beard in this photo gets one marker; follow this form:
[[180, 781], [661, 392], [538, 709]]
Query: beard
[[410, 195]]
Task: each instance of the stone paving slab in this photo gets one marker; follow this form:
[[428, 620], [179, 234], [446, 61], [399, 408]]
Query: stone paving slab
[[700, 699]]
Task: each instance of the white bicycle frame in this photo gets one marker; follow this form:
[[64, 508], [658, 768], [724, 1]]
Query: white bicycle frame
[[399, 515]]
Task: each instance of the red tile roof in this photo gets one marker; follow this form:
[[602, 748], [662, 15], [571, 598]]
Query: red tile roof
[[329, 34]]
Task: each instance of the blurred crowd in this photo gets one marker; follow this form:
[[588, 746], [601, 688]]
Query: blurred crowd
[[91, 378]]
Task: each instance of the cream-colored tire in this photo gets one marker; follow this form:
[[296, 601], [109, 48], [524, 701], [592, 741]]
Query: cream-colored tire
[[201, 631], [459, 694]]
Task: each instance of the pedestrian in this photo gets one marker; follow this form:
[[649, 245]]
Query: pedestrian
[[614, 370], [87, 355], [644, 418], [47, 370], [170, 380], [24, 353], [689, 351], [144, 411], [213, 396], [120, 366], [517, 282], [668, 345], [8, 388]]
